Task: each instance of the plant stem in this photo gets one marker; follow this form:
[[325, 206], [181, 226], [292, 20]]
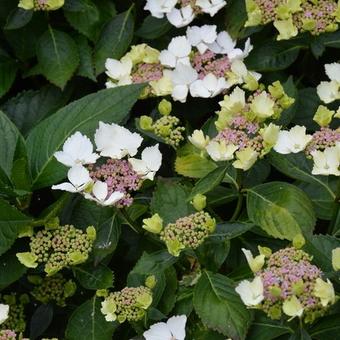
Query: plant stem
[[238, 208]]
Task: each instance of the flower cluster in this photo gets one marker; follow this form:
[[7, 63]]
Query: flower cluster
[[292, 17], [287, 284], [58, 248], [243, 132], [203, 62], [110, 179], [16, 320], [182, 12], [129, 304], [52, 289], [187, 232], [41, 5]]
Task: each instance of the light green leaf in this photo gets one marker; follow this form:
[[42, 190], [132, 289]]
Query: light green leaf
[[89, 323], [114, 39], [281, 209], [110, 105], [58, 56], [220, 307]]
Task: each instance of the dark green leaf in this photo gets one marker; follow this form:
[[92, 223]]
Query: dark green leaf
[[86, 67], [326, 327], [94, 277], [8, 71], [40, 321], [114, 39], [58, 56], [220, 307], [110, 105], [235, 17], [281, 210], [153, 28], [18, 18], [228, 231], [88, 322]]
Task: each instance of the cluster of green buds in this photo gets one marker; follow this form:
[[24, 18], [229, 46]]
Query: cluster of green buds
[[52, 289], [287, 283], [58, 248], [16, 320], [129, 304], [41, 5], [294, 16], [187, 232], [167, 127]]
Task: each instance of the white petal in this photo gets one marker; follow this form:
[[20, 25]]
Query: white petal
[[114, 198], [176, 325], [183, 75], [197, 89], [4, 310], [181, 17], [78, 176], [180, 93], [152, 157], [139, 166], [328, 91], [65, 187], [166, 58], [158, 331], [226, 42], [180, 47], [116, 69], [100, 190], [251, 293], [333, 71]]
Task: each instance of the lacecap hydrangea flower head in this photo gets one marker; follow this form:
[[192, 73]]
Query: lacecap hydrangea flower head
[[291, 17], [41, 5], [187, 232], [106, 177], [245, 129], [57, 248], [286, 285], [205, 63], [180, 13], [140, 65], [129, 304]]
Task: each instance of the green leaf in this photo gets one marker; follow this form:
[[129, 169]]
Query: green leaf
[[320, 247], [230, 230], [10, 269], [58, 56], [153, 28], [110, 105], [326, 327], [235, 17], [209, 182], [86, 67], [28, 108], [94, 277], [114, 39], [170, 201], [40, 320], [11, 221], [273, 56], [86, 21], [9, 137], [168, 299], [281, 210], [220, 196], [18, 18], [8, 71], [89, 323], [220, 307]]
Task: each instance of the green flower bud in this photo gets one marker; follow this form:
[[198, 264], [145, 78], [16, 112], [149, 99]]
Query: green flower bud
[[174, 247], [77, 257], [298, 287], [265, 251], [69, 288], [150, 281], [275, 291], [144, 300], [102, 293], [286, 102], [298, 241], [91, 233], [26, 231], [323, 116], [35, 279], [199, 202], [52, 223], [164, 107], [145, 122], [153, 224], [276, 90], [336, 258], [27, 259]]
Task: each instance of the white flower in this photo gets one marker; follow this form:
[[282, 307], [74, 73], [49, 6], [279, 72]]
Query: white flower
[[246, 158], [333, 71], [262, 105], [79, 178], [173, 329], [149, 164], [201, 37], [292, 307], [178, 52], [328, 91], [251, 292], [210, 6], [158, 8], [327, 162], [324, 291], [208, 87], [100, 194], [77, 149], [119, 71], [292, 141], [4, 310], [115, 141], [220, 151], [199, 140], [181, 17], [256, 263], [182, 77], [234, 102]]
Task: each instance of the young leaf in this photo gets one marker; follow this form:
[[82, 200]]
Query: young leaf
[[88, 322], [58, 56], [114, 39], [281, 210], [110, 105], [220, 307]]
